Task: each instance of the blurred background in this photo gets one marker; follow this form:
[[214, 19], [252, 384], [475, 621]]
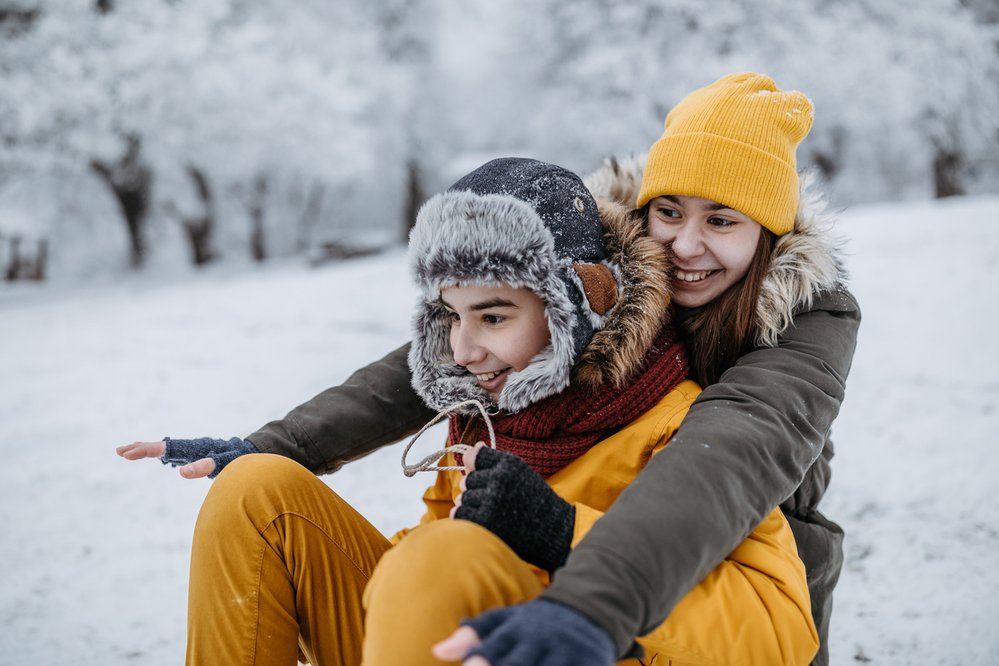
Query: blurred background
[[160, 136]]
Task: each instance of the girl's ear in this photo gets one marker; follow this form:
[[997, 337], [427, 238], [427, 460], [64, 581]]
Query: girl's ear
[[599, 286]]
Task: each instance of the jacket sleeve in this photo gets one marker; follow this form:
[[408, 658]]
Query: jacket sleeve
[[745, 445], [753, 608], [374, 407]]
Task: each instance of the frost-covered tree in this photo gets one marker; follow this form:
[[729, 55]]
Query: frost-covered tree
[[241, 93], [905, 92], [271, 130], [130, 180]]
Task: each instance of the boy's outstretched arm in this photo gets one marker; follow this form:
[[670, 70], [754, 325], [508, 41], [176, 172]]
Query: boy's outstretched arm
[[376, 406]]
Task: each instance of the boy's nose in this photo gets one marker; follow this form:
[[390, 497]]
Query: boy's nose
[[464, 346]]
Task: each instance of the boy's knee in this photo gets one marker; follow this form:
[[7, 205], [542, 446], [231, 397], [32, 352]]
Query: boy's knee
[[455, 568], [258, 467], [462, 540], [252, 485], [471, 552], [256, 472]]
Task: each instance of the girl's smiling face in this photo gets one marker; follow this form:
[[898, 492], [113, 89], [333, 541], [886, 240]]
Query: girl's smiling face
[[495, 330], [711, 245]]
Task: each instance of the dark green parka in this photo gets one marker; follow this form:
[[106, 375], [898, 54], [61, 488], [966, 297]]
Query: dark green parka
[[757, 438]]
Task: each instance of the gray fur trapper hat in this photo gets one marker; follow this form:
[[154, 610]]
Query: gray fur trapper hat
[[527, 224]]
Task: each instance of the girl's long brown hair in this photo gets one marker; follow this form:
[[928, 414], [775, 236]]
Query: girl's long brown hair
[[721, 331]]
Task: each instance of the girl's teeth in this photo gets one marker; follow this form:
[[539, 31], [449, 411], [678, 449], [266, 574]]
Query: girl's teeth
[[692, 276], [487, 376]]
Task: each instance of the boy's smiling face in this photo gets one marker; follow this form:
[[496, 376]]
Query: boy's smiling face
[[495, 330]]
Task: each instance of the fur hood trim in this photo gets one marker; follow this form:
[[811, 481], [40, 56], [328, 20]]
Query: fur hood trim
[[807, 261], [618, 349]]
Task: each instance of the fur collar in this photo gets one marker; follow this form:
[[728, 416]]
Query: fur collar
[[807, 261], [618, 349]]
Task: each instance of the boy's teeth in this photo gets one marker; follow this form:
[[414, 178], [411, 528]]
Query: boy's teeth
[[691, 276]]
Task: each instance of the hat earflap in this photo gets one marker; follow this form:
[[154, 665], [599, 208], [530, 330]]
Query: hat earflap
[[600, 284]]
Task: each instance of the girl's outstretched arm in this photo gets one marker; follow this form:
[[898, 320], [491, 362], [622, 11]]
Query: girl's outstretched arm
[[745, 445]]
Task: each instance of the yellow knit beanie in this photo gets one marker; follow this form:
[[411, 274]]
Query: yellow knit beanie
[[733, 142]]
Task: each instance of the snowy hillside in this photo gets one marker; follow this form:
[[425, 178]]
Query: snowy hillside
[[95, 550]]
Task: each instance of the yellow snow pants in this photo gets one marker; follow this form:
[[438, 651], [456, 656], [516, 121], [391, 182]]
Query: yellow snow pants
[[283, 569]]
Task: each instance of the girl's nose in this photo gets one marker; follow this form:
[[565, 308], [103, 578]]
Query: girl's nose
[[464, 346], [688, 242]]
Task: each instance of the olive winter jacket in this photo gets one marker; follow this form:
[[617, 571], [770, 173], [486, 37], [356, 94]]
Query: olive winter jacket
[[756, 438]]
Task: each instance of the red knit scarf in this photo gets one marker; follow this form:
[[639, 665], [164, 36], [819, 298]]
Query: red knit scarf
[[550, 434]]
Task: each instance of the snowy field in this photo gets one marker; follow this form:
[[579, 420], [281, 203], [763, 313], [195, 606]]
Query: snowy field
[[94, 560]]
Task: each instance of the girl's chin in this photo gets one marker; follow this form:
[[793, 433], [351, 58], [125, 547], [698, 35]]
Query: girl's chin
[[695, 294], [686, 300]]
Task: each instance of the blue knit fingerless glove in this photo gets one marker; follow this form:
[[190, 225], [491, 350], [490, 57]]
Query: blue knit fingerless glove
[[541, 633], [512, 501], [185, 451]]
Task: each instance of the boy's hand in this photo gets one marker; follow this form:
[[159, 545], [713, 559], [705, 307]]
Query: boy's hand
[[503, 494], [139, 450], [196, 458]]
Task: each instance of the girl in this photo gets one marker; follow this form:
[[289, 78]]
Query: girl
[[773, 351], [771, 331]]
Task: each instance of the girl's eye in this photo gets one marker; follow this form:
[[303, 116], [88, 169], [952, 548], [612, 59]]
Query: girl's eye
[[669, 213], [721, 222], [493, 319]]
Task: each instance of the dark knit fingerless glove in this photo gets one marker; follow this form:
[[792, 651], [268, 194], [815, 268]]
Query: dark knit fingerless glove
[[541, 633], [185, 451], [512, 501]]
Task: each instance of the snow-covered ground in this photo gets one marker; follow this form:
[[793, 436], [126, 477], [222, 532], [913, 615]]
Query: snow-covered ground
[[94, 554]]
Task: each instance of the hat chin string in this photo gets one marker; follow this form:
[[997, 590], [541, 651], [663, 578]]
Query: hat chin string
[[429, 463]]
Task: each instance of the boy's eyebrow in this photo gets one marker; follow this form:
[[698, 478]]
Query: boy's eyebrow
[[713, 206], [486, 305], [494, 303]]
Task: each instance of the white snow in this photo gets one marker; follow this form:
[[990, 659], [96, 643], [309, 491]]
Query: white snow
[[95, 549]]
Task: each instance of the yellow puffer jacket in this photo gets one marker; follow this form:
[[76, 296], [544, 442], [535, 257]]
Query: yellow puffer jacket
[[753, 608]]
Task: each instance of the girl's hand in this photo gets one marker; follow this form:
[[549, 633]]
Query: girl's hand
[[458, 645], [538, 633]]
